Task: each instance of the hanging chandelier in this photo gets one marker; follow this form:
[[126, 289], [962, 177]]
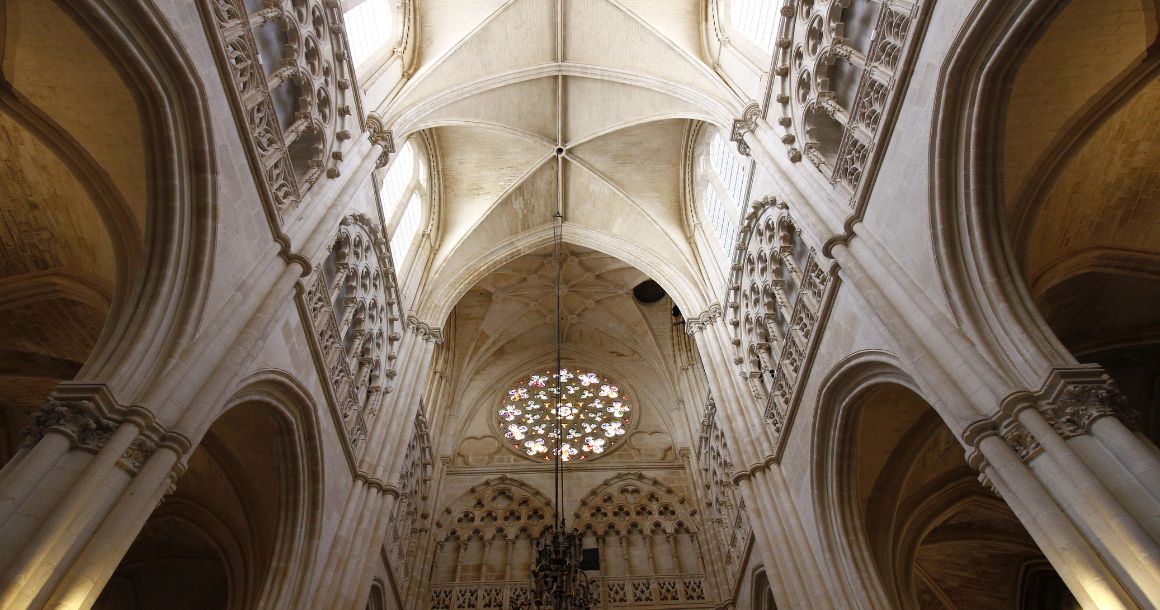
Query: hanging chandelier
[[558, 580]]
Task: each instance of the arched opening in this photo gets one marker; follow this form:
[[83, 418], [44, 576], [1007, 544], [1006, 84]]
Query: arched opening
[[936, 538], [762, 593], [1087, 244], [228, 536]]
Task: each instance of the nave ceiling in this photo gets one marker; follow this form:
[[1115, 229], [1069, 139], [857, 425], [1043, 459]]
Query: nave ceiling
[[586, 105]]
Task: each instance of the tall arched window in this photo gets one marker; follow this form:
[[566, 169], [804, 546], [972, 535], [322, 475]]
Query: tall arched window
[[368, 26], [402, 197], [406, 230], [400, 178], [725, 179], [756, 20]]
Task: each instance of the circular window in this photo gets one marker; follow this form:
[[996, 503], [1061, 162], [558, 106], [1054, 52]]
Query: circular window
[[594, 415]]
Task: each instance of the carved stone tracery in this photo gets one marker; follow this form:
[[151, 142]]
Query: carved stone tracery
[[776, 296], [724, 507], [353, 306], [291, 83], [835, 114]]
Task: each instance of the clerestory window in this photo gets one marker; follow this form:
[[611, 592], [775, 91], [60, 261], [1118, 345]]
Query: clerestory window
[[725, 180], [756, 20], [368, 27]]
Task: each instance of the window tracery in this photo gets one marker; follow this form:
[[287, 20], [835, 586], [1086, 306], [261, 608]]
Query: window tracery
[[776, 295], [648, 540], [595, 415], [838, 66], [399, 178], [352, 303], [289, 66], [402, 197], [407, 228]]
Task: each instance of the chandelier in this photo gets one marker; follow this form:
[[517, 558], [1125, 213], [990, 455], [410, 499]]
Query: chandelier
[[558, 580]]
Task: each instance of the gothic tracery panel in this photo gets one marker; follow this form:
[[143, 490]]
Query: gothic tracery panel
[[352, 304], [649, 543], [292, 88], [485, 541], [777, 293], [838, 63]]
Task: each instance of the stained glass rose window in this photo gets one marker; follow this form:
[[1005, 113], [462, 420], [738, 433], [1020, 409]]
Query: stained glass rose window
[[594, 415]]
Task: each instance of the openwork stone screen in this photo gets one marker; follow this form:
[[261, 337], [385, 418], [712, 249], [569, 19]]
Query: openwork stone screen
[[594, 411]]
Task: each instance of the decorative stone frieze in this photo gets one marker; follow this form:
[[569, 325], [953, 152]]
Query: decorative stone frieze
[[290, 76], [778, 293], [80, 420]]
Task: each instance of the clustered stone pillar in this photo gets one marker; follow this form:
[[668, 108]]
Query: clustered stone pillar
[[780, 540], [363, 526], [1081, 482]]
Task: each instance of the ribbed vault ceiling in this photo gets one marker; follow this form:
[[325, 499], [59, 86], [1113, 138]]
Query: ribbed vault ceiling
[[535, 104]]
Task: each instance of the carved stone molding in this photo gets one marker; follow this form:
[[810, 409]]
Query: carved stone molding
[[1072, 399]]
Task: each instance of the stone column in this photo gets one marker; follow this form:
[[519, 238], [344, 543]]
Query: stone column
[[1099, 523], [383, 459], [787, 563]]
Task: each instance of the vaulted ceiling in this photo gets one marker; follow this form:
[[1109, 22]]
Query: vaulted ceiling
[[536, 105]]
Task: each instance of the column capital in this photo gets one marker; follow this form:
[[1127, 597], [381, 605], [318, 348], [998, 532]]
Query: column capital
[[1072, 398], [698, 323], [428, 332], [379, 135], [746, 124]]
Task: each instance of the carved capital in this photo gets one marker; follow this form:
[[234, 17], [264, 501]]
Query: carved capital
[[80, 420], [380, 136], [137, 453], [425, 331], [746, 124], [1021, 441], [1080, 405]]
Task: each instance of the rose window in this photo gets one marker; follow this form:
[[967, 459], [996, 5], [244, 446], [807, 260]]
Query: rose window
[[594, 415]]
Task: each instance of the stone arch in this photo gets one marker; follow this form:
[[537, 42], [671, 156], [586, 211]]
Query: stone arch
[[488, 534], [898, 503], [983, 212], [761, 593], [257, 506], [660, 530], [437, 302], [158, 215]]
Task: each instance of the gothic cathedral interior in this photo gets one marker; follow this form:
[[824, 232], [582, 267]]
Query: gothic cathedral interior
[[580, 304]]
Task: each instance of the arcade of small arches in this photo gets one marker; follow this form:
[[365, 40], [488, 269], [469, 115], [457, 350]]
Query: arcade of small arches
[[852, 307]]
